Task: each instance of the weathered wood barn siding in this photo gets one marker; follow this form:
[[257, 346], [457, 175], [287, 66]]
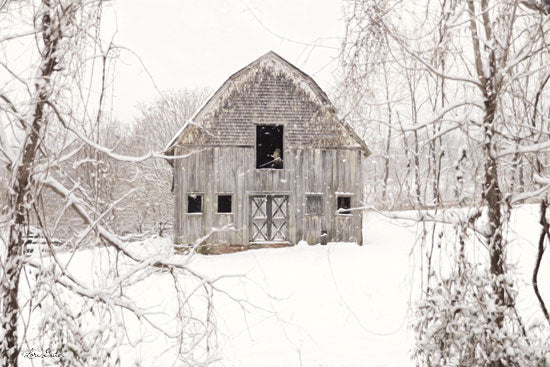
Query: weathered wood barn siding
[[316, 171], [321, 156]]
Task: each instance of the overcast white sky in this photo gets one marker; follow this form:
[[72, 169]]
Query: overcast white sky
[[199, 43]]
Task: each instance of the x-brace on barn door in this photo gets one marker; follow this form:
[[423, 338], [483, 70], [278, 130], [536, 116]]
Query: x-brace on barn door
[[268, 218]]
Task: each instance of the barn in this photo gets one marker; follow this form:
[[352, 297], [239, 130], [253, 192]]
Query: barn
[[266, 160]]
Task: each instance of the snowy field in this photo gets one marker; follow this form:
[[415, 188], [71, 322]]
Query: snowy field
[[334, 305]]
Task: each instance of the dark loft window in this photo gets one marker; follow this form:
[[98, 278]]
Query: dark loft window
[[269, 146], [344, 202], [194, 203], [224, 203], [314, 204]]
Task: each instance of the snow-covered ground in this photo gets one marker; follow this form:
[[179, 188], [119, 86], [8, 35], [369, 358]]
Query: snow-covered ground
[[341, 304], [334, 305]]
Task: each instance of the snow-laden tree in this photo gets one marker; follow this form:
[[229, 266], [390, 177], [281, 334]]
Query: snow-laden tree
[[156, 124], [82, 298], [458, 324], [149, 207], [455, 97]]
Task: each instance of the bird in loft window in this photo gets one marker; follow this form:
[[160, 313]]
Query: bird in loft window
[[276, 162]]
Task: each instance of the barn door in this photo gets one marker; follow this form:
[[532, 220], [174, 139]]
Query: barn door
[[269, 218]]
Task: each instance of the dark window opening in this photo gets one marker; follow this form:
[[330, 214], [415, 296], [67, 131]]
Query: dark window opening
[[269, 146], [344, 202], [224, 204], [314, 204], [194, 203]]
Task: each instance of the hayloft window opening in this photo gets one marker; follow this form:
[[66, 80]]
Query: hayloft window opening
[[314, 204], [269, 146], [194, 203], [224, 203], [344, 202]]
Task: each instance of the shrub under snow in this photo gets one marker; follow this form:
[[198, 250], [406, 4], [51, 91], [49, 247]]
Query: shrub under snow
[[457, 324]]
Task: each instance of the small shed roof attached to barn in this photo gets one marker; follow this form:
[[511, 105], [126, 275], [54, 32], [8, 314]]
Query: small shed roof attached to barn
[[267, 160]]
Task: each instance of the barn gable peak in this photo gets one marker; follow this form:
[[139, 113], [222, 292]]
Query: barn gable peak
[[265, 91], [278, 64]]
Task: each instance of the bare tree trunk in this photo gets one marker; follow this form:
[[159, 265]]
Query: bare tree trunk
[[21, 193], [540, 253], [417, 189], [416, 160], [543, 208], [386, 164], [388, 141], [493, 197], [492, 193]]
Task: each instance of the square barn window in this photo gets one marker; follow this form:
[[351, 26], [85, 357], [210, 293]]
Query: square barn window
[[314, 204], [224, 204], [344, 202], [269, 146], [194, 203]]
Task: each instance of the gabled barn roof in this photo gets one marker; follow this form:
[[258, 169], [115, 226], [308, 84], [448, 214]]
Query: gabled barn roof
[[195, 125]]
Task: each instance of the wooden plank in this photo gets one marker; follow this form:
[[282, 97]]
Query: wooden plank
[[318, 164], [218, 170], [290, 163], [350, 170], [276, 180], [221, 220], [208, 173], [341, 172], [307, 170], [192, 177], [233, 236], [299, 195], [181, 179], [193, 227], [334, 188], [360, 192], [177, 201], [248, 167], [313, 229], [326, 180]]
